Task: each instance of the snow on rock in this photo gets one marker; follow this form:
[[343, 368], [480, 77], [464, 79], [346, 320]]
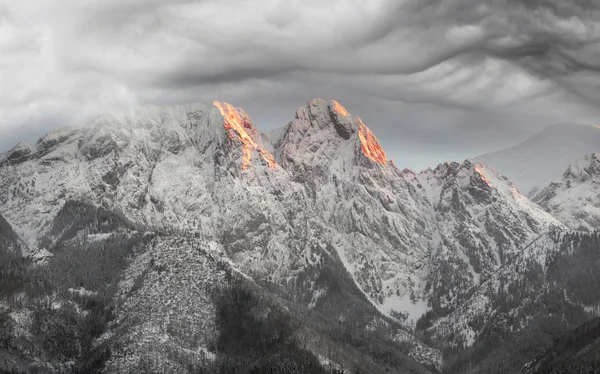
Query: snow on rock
[[329, 364], [319, 293], [574, 198], [81, 291], [41, 256], [18, 153]]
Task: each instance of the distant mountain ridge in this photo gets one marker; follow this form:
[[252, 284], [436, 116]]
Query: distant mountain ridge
[[543, 157]]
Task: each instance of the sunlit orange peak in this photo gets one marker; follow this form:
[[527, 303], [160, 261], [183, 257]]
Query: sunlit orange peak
[[339, 109], [596, 126], [369, 144], [236, 126], [482, 174], [516, 194]]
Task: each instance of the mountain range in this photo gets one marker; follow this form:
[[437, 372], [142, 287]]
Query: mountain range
[[184, 239]]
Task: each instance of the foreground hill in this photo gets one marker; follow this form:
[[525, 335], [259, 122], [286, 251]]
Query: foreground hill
[[577, 351]]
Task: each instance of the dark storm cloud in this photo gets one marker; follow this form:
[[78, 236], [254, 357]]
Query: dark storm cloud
[[436, 71], [402, 40]]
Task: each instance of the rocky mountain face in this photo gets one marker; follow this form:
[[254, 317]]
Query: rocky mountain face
[[482, 223], [163, 239], [574, 198], [375, 223]]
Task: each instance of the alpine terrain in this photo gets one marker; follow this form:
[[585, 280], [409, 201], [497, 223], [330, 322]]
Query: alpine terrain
[[183, 239], [574, 198]]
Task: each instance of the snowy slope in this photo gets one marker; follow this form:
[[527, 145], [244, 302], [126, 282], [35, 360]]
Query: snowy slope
[[542, 158], [481, 222], [575, 197]]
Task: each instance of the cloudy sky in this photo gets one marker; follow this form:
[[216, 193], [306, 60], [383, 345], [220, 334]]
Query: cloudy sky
[[434, 79]]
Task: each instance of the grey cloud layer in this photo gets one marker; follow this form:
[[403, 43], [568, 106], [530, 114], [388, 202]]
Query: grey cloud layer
[[466, 61]]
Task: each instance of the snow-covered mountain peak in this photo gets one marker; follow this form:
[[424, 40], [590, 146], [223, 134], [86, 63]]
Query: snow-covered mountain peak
[[481, 184], [574, 198], [17, 153], [370, 145], [240, 127], [215, 130], [325, 136], [481, 223], [155, 164], [480, 187], [585, 168], [319, 115]]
